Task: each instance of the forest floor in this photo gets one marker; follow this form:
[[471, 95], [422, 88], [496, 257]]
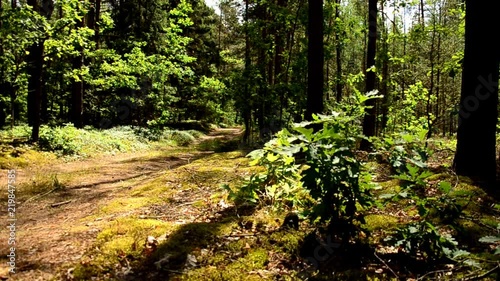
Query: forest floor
[[162, 214], [49, 235]]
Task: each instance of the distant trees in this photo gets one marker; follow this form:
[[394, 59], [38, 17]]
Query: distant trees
[[478, 115], [264, 64]]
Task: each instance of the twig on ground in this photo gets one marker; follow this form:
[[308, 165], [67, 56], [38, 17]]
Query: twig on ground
[[386, 265], [41, 195], [60, 203], [481, 276], [432, 272]]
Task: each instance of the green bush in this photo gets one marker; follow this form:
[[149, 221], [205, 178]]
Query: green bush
[[181, 138], [422, 239], [317, 157], [61, 139], [18, 132], [68, 140], [196, 134]]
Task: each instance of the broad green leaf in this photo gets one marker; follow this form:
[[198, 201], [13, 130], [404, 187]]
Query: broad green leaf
[[386, 195], [490, 239], [445, 186], [271, 157], [306, 132]]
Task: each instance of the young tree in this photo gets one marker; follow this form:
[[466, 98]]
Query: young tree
[[475, 154]]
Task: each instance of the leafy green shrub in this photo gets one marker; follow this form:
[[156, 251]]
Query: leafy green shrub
[[280, 185], [20, 131], [148, 134], [195, 133], [414, 177], [321, 162], [403, 149], [69, 140], [182, 138], [62, 139], [493, 240], [423, 240]]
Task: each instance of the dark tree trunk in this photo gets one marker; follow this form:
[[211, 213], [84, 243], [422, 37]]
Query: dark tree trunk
[[246, 110], [370, 118], [475, 153], [384, 88], [338, 54], [278, 63], [35, 64], [315, 58], [77, 96], [35, 71]]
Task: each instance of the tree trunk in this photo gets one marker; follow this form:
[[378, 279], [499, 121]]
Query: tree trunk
[[78, 87], [338, 55], [35, 64], [315, 59], [475, 153], [35, 71], [246, 110], [384, 89], [370, 118]]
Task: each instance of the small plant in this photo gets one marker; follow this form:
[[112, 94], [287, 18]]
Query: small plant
[[494, 240], [403, 149], [422, 240], [317, 161], [280, 184], [414, 178]]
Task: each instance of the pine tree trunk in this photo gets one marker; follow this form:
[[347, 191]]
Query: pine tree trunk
[[476, 139], [315, 78], [370, 116]]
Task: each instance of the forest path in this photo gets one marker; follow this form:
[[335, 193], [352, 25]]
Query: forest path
[[50, 235]]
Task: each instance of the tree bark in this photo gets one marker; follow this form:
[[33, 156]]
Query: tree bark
[[315, 58], [475, 153], [78, 87], [35, 71], [338, 56], [370, 117]]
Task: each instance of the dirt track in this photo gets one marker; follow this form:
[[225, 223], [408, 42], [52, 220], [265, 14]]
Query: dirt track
[[49, 236]]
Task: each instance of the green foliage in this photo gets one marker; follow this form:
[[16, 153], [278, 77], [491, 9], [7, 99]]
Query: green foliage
[[494, 240], [19, 131], [63, 139], [320, 165], [404, 150], [424, 240], [68, 140], [333, 172], [402, 115], [181, 138], [414, 177]]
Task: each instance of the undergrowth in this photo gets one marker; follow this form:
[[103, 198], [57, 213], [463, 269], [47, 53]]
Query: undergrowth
[[70, 141]]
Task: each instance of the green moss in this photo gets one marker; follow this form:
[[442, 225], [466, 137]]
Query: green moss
[[125, 204], [287, 241], [389, 186], [243, 268], [440, 177], [380, 222]]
